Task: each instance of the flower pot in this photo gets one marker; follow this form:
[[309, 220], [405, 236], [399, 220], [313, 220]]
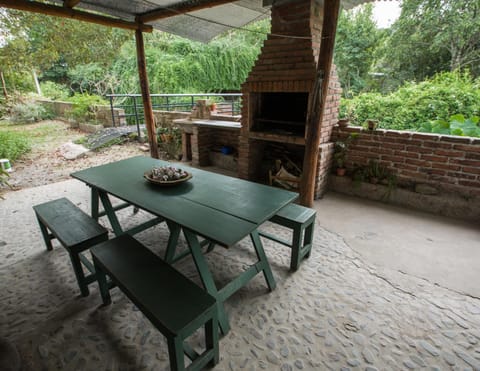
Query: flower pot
[[341, 171], [372, 124]]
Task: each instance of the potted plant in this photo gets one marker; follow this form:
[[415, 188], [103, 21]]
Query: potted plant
[[340, 153], [372, 124], [343, 122], [339, 156]]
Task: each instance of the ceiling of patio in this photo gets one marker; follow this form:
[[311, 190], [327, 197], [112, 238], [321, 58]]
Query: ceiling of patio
[[216, 17]]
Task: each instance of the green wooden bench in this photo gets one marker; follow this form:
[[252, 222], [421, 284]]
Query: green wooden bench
[[302, 221], [173, 303], [75, 230]]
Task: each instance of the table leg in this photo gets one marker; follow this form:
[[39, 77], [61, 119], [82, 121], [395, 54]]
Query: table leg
[[172, 241], [110, 212], [262, 259], [94, 203], [206, 277]]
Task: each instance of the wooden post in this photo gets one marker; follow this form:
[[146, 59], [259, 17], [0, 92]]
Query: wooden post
[[4, 86], [147, 103], [317, 102]]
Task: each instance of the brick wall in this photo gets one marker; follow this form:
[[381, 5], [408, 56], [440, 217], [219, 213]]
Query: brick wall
[[448, 163], [288, 65]]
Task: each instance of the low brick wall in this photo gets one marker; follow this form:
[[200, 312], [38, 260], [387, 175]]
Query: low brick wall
[[165, 118], [450, 164]]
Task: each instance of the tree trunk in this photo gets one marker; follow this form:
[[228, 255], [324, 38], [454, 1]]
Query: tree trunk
[[4, 86], [37, 84]]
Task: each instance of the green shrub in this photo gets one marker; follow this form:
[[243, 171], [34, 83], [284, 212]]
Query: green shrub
[[13, 144], [54, 91], [416, 104], [84, 106], [28, 111], [457, 125]]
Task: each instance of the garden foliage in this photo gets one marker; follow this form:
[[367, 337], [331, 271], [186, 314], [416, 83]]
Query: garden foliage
[[83, 108], [417, 104], [24, 111], [13, 144]]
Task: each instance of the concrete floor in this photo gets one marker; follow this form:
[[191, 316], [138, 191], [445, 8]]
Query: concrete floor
[[441, 250], [346, 308]]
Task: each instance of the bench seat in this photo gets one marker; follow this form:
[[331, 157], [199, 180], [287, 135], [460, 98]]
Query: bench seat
[[301, 220], [176, 306], [76, 232]]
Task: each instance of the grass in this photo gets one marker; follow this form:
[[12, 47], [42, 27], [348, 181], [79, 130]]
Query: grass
[[41, 136]]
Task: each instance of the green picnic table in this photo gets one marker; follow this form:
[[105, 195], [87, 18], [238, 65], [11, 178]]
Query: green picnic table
[[221, 209]]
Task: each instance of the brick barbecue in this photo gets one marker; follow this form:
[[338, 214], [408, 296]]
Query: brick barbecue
[[277, 92]]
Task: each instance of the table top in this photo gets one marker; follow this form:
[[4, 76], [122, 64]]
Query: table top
[[217, 207]]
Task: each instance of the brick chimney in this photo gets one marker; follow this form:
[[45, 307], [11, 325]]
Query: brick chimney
[[277, 91]]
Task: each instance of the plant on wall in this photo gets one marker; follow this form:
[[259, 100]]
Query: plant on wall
[[340, 153], [458, 125]]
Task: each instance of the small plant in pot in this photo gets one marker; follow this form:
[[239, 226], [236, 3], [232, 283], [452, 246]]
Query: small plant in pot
[[340, 153], [343, 122], [371, 124]]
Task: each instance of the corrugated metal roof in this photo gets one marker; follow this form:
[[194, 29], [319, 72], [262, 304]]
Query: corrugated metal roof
[[201, 25]]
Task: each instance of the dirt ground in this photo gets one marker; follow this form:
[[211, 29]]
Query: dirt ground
[[44, 164]]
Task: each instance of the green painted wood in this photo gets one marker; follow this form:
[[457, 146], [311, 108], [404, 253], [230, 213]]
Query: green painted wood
[[74, 229], [302, 221], [124, 179], [248, 200], [275, 238], [293, 213], [262, 259], [207, 278], [167, 298]]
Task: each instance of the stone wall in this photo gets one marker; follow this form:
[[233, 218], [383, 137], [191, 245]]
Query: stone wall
[[103, 113]]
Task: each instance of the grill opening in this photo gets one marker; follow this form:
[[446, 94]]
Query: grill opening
[[281, 113]]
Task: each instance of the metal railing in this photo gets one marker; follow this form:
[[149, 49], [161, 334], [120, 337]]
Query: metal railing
[[227, 104]]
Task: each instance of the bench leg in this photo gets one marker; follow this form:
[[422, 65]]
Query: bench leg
[[301, 250], [46, 235], [77, 268], [102, 283], [211, 339], [308, 240], [176, 354], [296, 243]]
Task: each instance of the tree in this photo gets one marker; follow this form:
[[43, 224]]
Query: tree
[[40, 42], [356, 41], [431, 36]]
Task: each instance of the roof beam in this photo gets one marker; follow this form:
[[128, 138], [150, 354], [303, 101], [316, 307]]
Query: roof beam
[[36, 7], [186, 7], [70, 3]]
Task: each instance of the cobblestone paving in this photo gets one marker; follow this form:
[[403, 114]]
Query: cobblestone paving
[[335, 313]]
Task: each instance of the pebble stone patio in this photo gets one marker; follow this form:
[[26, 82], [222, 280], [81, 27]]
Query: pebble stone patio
[[335, 313]]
